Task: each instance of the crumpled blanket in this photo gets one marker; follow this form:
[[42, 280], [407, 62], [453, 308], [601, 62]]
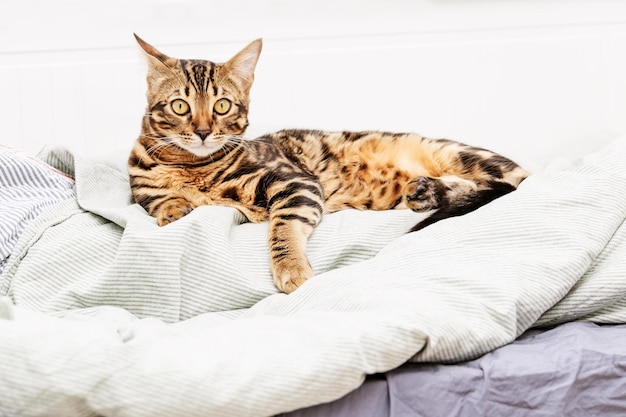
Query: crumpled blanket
[[107, 314], [27, 187]]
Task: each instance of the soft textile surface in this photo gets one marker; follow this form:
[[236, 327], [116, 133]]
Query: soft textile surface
[[573, 370], [27, 186], [193, 327]]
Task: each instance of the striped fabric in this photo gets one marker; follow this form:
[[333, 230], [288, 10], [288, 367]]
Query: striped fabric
[[27, 186], [108, 314]]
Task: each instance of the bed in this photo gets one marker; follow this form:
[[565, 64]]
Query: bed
[[518, 308]]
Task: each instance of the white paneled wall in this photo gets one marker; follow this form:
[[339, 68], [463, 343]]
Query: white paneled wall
[[533, 79]]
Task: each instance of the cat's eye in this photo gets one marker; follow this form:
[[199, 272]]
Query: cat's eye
[[180, 106], [222, 106]]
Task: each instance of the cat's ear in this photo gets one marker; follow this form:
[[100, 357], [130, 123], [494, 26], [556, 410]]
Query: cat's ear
[[159, 65], [242, 65]]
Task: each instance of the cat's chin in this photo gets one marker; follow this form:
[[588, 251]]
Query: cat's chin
[[202, 150]]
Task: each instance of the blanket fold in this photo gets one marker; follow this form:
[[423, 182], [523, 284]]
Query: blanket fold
[[116, 316]]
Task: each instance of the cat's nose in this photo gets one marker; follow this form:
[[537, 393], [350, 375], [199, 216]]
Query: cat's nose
[[203, 133]]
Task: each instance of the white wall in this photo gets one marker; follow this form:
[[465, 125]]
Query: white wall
[[530, 78]]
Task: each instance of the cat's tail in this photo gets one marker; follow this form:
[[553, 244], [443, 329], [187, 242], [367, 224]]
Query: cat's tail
[[467, 203]]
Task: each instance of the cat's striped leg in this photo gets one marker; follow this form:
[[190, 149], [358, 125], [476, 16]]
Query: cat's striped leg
[[294, 212], [450, 196], [426, 193]]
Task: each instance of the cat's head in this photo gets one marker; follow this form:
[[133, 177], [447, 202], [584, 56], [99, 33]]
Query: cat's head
[[196, 104]]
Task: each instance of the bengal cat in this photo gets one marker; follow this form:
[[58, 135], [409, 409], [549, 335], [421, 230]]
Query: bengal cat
[[191, 153]]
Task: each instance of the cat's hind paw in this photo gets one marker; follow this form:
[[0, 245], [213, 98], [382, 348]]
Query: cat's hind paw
[[424, 194]]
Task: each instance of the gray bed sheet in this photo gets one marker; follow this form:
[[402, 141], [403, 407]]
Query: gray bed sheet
[[575, 369]]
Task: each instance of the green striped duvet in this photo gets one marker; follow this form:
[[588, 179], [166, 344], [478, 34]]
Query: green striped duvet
[[107, 314]]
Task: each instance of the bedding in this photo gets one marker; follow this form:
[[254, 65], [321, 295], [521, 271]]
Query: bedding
[[575, 370], [27, 187], [105, 313]]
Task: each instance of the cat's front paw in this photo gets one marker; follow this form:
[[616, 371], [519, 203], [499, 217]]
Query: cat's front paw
[[288, 277], [424, 194], [172, 211]]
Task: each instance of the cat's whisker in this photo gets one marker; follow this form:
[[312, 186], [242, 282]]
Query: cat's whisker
[[153, 151], [234, 141], [231, 146], [158, 148]]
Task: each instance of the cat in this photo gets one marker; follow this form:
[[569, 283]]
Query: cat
[[191, 153]]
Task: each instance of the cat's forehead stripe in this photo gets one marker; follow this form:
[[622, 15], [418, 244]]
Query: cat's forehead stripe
[[199, 74]]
